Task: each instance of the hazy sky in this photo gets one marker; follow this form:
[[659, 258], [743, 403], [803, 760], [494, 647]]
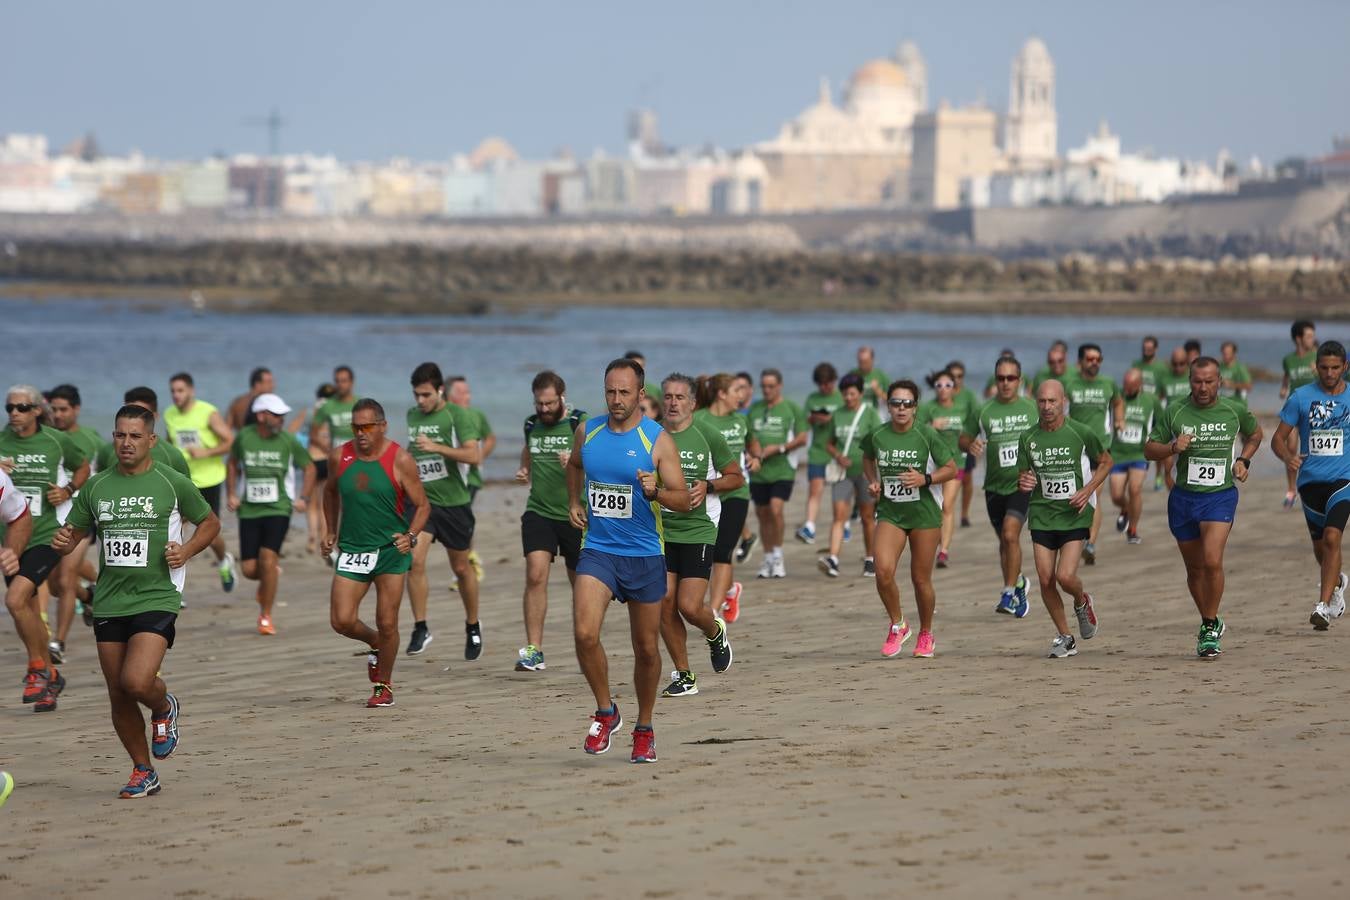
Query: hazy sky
[[427, 79]]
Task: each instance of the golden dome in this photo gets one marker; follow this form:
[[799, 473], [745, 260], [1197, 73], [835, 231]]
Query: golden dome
[[880, 72], [492, 150]]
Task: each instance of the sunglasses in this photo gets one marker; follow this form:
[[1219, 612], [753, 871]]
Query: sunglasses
[[367, 428], [945, 384], [1009, 377], [902, 404], [21, 407]]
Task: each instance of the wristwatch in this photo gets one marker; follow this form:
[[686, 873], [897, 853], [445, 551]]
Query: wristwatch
[[927, 479], [412, 536], [1244, 460]]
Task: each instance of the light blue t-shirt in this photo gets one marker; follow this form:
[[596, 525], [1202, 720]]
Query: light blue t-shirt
[[1323, 423]]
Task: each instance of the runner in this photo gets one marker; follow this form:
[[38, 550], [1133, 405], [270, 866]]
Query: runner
[[615, 491], [1201, 431], [904, 462], [371, 483], [743, 390], [717, 408], [709, 468], [777, 429], [138, 507], [1235, 382], [651, 391], [457, 392], [197, 429], [18, 527], [314, 509], [1062, 463], [998, 427], [1150, 367], [545, 528], [991, 386], [848, 485], [443, 440], [970, 405], [1318, 415], [263, 459], [874, 380], [1130, 469], [650, 407], [64, 402], [160, 451], [37, 457], [1174, 386], [1056, 365], [1193, 350], [1299, 369], [331, 425], [948, 418], [1094, 401], [240, 411], [819, 405]]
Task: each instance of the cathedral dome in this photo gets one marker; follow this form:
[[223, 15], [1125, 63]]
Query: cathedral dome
[[879, 73]]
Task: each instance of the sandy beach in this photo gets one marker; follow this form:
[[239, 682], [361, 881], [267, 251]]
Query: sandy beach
[[814, 768]]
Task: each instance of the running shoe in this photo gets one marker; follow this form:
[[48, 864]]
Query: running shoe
[[1207, 642], [265, 626], [924, 647], [848, 530], [381, 695], [731, 603], [719, 648], [1122, 520], [373, 666], [531, 659], [34, 685], [765, 570], [6, 786], [1087, 617], [602, 726], [57, 649], [965, 523], [473, 641], [87, 613], [779, 569], [227, 572], [1089, 553], [895, 639], [829, 565], [806, 534], [1336, 606], [1157, 483], [644, 746], [682, 684], [164, 730], [477, 564], [1133, 538], [1020, 589], [1007, 602], [743, 550], [1289, 499], [942, 559], [55, 684], [1062, 646], [144, 782], [869, 568], [1320, 619], [421, 636]]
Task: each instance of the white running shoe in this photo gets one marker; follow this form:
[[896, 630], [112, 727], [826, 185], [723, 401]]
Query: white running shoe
[[766, 570], [779, 570], [1321, 617], [1337, 604]]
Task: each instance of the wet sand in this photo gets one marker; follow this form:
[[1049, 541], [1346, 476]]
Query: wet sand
[[814, 768]]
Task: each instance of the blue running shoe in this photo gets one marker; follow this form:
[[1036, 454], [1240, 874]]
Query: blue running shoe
[[1020, 591], [164, 731], [1007, 603], [144, 782], [848, 531]]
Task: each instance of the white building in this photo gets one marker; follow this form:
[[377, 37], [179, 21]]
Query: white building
[[1031, 129]]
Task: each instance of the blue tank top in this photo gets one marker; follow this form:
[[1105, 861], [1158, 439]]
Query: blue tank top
[[621, 521]]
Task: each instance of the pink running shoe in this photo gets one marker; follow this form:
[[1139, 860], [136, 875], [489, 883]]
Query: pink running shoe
[[942, 559], [895, 640], [924, 648], [731, 603]]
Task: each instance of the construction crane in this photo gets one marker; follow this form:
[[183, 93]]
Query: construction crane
[[273, 122]]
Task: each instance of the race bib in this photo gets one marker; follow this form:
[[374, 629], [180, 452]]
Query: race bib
[[1057, 488], [894, 490], [611, 501], [188, 438], [1329, 442], [1007, 456], [34, 497], [432, 468], [1206, 472], [126, 549], [358, 563], [261, 491], [1132, 434]]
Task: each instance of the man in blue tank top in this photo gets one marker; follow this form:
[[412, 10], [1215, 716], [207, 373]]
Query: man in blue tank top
[[626, 469]]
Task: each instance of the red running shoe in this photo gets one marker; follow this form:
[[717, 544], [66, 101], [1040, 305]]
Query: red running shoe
[[644, 746], [602, 726], [34, 685], [731, 604], [383, 695]]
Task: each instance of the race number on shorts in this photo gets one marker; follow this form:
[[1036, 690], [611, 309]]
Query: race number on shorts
[[1206, 472], [126, 549], [432, 468], [358, 563], [1057, 488], [264, 491], [894, 490], [611, 501], [1325, 442]]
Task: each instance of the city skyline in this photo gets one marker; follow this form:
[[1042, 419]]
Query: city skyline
[[1174, 80]]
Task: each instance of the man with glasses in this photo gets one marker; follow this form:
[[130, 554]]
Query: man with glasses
[[777, 429], [1094, 401], [37, 457], [371, 482]]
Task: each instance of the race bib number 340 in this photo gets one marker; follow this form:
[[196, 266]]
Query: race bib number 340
[[611, 501], [126, 549], [432, 469]]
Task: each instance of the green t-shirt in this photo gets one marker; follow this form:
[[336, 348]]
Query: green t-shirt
[[817, 455], [1063, 460], [1001, 425], [844, 431], [969, 403], [1127, 443], [734, 428], [948, 422], [337, 415], [267, 467], [1044, 374], [921, 449], [41, 460], [873, 381], [1206, 466], [1091, 401], [1238, 374], [483, 430], [548, 478], [1172, 387], [445, 481], [136, 517], [1301, 368], [1152, 372], [703, 454], [162, 452], [777, 424], [90, 442]]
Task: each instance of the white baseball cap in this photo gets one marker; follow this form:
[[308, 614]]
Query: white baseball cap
[[270, 403]]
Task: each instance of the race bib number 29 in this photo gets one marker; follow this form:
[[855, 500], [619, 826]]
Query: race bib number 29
[[1206, 472]]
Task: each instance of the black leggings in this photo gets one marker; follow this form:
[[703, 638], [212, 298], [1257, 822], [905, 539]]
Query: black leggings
[[734, 510]]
